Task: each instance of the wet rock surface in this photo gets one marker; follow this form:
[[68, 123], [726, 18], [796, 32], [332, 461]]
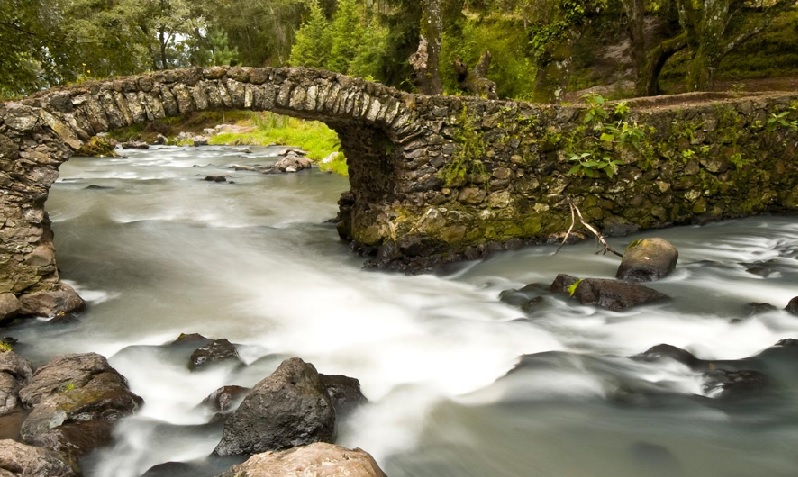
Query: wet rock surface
[[225, 398], [317, 460], [289, 408], [17, 459], [609, 294], [344, 392], [648, 260], [215, 352], [75, 401]]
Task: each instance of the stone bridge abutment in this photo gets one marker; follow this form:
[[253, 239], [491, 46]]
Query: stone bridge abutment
[[433, 178]]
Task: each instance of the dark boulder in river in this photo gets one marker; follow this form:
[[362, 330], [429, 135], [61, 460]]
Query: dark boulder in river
[[613, 295], [726, 384], [224, 398], [647, 260], [344, 392], [17, 459], [319, 460], [289, 408], [75, 401], [662, 351], [217, 351], [792, 306]]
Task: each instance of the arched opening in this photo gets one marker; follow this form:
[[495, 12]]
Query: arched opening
[[43, 131]]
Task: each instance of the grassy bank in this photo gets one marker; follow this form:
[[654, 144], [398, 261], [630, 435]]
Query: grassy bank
[[263, 129], [249, 128]]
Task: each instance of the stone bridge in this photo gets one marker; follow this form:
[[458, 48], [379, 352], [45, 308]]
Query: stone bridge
[[433, 178]]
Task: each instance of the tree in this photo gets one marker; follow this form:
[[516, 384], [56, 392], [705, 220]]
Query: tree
[[313, 41], [558, 25], [24, 44], [714, 28], [426, 60], [346, 31]]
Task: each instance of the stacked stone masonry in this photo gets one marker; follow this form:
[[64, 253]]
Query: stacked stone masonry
[[432, 178]]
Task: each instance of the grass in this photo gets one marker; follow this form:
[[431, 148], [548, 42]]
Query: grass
[[269, 128], [255, 129]]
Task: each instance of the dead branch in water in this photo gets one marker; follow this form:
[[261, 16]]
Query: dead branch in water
[[600, 240]]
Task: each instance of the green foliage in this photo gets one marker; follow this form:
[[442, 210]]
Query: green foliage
[[271, 128], [351, 43], [6, 346], [512, 66], [781, 120], [313, 40], [596, 145], [572, 288]]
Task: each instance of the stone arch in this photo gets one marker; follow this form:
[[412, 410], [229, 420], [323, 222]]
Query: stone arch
[[41, 132]]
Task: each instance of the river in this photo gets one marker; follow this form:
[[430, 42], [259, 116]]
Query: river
[[157, 251]]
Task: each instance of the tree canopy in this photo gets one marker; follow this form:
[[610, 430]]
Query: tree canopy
[[536, 49]]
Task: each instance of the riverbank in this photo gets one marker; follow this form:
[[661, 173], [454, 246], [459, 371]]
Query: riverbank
[[236, 128]]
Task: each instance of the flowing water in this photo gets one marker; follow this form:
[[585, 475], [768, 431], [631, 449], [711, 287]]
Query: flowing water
[[158, 251]]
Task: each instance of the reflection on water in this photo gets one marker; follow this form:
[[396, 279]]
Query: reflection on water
[[157, 251]]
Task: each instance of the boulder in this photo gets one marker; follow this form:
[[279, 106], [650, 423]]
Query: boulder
[[289, 408], [10, 307], [75, 401], [216, 178], [751, 309], [726, 384], [216, 351], [226, 397], [135, 145], [647, 260], [295, 162], [792, 306], [663, 351], [15, 372], [18, 459], [344, 392], [57, 300], [609, 294], [317, 460]]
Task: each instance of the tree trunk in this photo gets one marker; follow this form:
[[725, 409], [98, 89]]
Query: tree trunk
[[426, 60], [475, 81], [656, 61]]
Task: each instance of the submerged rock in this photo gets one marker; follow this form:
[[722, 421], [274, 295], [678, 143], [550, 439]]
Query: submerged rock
[[75, 401], [792, 306], [226, 397], [26, 461], [216, 178], [721, 383], [289, 408], [647, 260], [344, 392], [317, 460], [661, 351], [609, 294], [216, 351]]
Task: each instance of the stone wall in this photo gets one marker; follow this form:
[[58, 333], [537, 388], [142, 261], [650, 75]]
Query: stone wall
[[703, 157], [432, 179]]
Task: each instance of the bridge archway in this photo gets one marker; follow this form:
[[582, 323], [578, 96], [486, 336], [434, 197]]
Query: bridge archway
[[39, 133]]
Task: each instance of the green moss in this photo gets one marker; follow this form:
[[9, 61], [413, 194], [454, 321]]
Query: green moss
[[466, 166]]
